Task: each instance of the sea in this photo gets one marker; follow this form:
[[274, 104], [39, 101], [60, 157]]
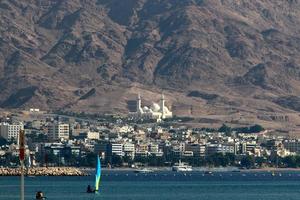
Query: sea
[[164, 185]]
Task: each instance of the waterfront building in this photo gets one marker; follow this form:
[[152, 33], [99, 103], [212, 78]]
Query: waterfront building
[[153, 148], [61, 150], [102, 149], [228, 148], [213, 148], [197, 149], [187, 154], [115, 149], [129, 149], [142, 149]]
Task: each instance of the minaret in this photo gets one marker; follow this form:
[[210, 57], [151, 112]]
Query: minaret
[[139, 104], [162, 106]]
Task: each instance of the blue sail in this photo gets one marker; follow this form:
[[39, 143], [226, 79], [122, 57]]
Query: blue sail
[[98, 174]]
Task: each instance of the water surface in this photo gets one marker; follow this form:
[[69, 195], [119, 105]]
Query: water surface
[[161, 186]]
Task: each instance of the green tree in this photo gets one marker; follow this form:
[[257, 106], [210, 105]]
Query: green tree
[[51, 158], [197, 161], [91, 159], [260, 161], [225, 129], [291, 161], [247, 161], [152, 160], [256, 128], [116, 160], [71, 159], [128, 159], [141, 159], [3, 141], [231, 158], [219, 160]]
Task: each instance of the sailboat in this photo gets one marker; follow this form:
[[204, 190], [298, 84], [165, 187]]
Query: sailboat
[[97, 178], [28, 166], [97, 175]]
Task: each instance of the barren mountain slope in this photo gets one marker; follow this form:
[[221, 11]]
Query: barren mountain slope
[[235, 58]]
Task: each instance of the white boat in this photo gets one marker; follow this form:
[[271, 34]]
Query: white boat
[[181, 167]]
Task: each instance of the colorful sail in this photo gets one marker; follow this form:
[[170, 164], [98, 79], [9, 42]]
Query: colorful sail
[[98, 174]]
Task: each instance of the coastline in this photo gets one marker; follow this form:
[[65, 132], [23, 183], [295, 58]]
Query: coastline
[[271, 169], [73, 171], [195, 169]]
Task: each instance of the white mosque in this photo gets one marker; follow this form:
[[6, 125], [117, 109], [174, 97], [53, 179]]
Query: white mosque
[[156, 111]]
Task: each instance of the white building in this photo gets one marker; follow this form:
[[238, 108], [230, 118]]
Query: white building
[[129, 149], [93, 135], [117, 149], [156, 111], [36, 110], [10, 131], [58, 131]]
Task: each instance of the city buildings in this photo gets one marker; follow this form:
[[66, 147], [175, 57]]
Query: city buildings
[[131, 142]]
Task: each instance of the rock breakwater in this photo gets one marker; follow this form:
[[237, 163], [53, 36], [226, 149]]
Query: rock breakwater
[[43, 171]]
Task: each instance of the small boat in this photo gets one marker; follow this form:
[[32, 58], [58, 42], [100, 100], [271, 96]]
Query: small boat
[[208, 172], [273, 173], [143, 171], [98, 174], [97, 178], [181, 167]]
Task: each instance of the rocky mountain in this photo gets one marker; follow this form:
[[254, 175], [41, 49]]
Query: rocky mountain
[[237, 58]]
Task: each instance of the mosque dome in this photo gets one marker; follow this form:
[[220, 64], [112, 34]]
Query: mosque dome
[[145, 109], [155, 107]]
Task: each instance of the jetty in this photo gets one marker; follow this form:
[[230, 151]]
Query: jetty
[[43, 171]]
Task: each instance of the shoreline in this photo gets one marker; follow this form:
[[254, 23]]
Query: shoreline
[[73, 171], [195, 169]]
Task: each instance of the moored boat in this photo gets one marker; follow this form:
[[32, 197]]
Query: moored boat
[[181, 167]]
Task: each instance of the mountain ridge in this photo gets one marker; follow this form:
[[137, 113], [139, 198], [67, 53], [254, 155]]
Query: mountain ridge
[[244, 53]]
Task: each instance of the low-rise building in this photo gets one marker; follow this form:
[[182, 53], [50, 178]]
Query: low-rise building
[[292, 145], [129, 149], [197, 149], [115, 149]]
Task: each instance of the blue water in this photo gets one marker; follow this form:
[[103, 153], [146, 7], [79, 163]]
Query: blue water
[[161, 186]]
